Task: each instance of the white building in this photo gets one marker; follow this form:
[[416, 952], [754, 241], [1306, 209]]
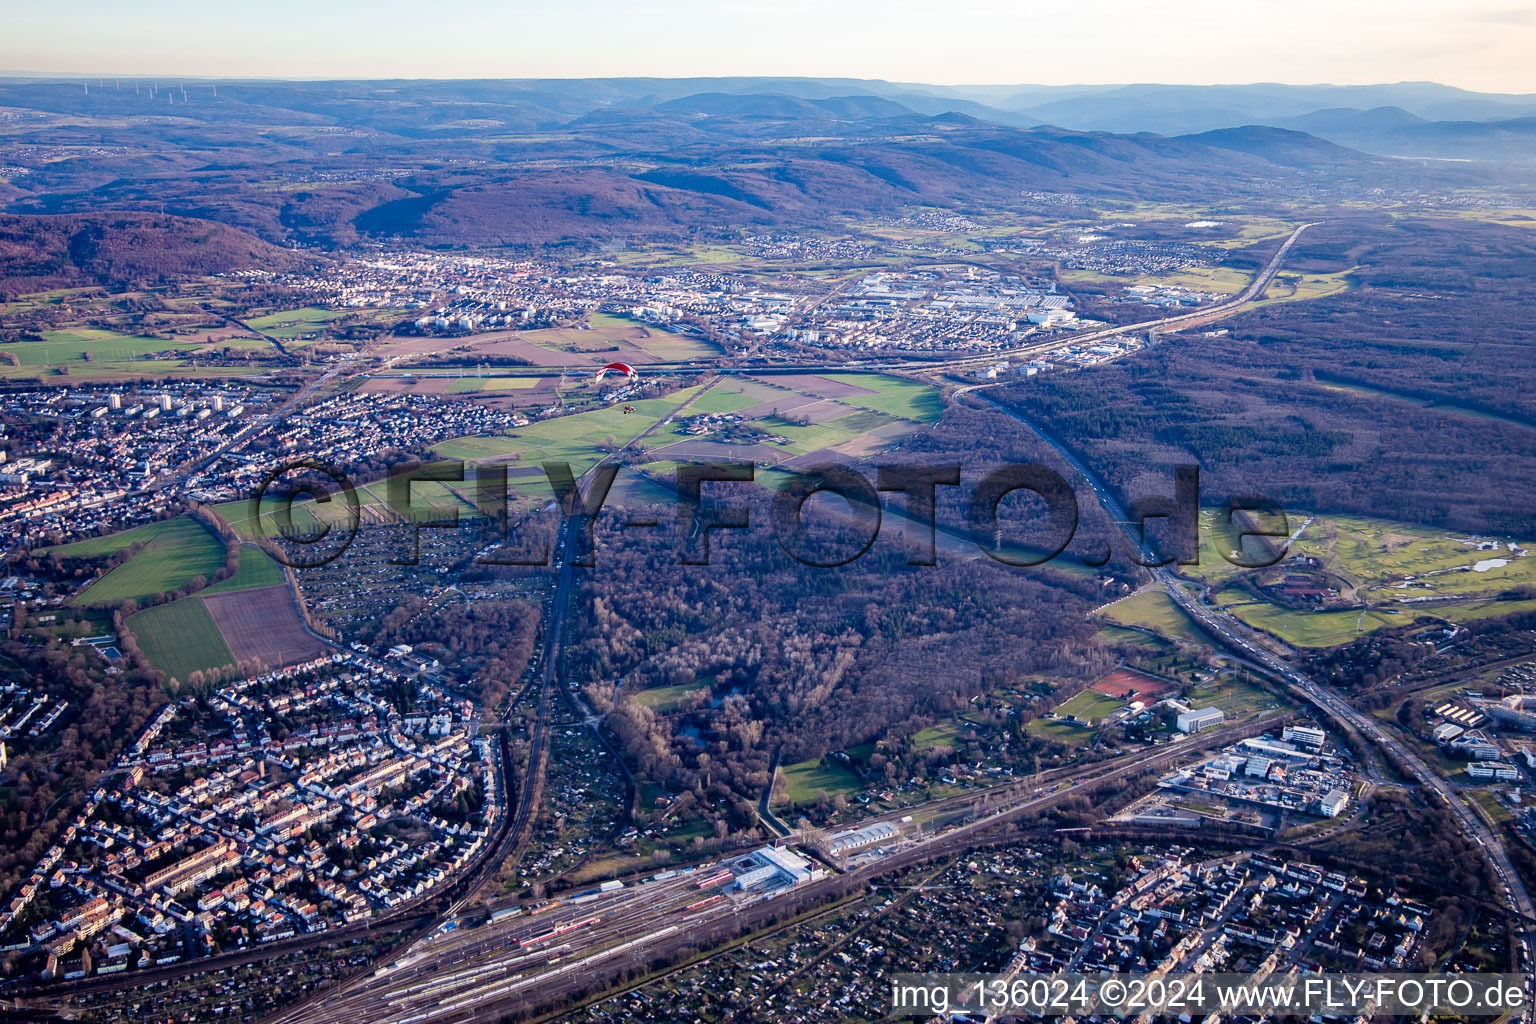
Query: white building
[[857, 839], [1306, 735], [1200, 719], [1333, 804], [1493, 770]]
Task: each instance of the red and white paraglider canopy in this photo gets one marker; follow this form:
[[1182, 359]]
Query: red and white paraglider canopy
[[624, 368]]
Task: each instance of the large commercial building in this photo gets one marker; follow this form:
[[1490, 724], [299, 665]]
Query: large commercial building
[[1200, 719], [1282, 752]]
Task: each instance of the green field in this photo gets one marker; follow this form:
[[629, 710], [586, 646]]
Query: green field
[[177, 551], [78, 343], [1391, 567], [294, 323], [98, 354], [805, 782], [897, 396], [816, 436], [1317, 628], [1060, 731], [1121, 635], [1236, 697], [1153, 609], [111, 543], [664, 699], [1091, 706], [257, 569], [723, 397], [945, 734], [180, 638], [580, 439], [475, 385], [1292, 286]]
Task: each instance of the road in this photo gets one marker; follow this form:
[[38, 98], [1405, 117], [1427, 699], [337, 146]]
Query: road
[[1237, 637], [535, 958], [464, 973]]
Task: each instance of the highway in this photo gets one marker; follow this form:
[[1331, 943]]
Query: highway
[[532, 957], [1236, 636]]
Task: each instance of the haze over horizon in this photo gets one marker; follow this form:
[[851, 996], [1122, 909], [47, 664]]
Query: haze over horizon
[[1483, 46]]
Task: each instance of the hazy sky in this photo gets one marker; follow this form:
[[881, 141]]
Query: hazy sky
[[1476, 44]]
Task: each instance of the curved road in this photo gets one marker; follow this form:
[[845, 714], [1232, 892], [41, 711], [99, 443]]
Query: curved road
[[1236, 635]]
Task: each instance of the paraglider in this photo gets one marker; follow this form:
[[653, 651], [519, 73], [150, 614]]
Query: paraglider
[[624, 368]]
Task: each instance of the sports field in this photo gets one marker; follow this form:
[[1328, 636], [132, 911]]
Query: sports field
[[1091, 706]]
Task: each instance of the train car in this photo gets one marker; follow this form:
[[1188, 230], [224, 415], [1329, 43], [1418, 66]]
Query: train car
[[715, 879], [706, 901]]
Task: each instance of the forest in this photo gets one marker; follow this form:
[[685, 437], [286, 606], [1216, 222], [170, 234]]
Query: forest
[[1407, 397]]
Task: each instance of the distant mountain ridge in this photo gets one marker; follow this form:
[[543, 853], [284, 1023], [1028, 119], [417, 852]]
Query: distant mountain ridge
[[607, 160]]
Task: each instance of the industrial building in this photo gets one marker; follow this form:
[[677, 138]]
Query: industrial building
[[1199, 719], [775, 864], [857, 839], [1275, 751]]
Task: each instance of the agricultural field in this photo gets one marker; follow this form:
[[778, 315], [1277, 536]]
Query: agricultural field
[[174, 553], [256, 569], [263, 626], [477, 385], [293, 325], [180, 638], [93, 353], [894, 396], [86, 344], [579, 439], [852, 415]]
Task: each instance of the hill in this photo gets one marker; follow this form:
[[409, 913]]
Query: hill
[[123, 249]]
